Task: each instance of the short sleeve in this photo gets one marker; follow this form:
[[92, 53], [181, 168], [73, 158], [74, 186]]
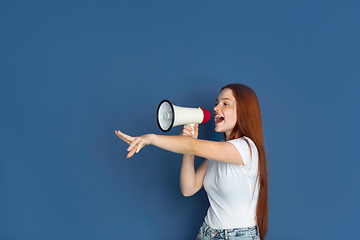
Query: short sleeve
[[244, 149]]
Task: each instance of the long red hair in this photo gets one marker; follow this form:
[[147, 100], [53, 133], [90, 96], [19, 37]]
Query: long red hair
[[249, 124]]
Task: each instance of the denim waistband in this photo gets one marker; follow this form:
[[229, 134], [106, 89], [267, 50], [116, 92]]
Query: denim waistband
[[227, 233]]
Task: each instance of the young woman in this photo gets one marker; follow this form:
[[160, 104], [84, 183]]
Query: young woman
[[233, 173]]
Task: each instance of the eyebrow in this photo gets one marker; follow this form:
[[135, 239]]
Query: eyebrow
[[224, 99]]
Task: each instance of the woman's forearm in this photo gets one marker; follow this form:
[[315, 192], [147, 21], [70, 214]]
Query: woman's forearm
[[187, 175], [183, 145], [176, 144]]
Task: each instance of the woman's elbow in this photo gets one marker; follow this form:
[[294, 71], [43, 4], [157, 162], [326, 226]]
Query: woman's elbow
[[187, 193]]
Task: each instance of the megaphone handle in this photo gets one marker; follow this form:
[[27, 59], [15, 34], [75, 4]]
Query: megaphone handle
[[192, 125]]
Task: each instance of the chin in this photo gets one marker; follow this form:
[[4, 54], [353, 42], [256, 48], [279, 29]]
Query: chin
[[218, 130]]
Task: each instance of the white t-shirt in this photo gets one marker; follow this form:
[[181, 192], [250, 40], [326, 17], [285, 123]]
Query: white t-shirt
[[230, 189]]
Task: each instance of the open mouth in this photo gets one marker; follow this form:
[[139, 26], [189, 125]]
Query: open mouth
[[218, 119]]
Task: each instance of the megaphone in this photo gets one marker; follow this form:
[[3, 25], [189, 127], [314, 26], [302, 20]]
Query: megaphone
[[169, 115]]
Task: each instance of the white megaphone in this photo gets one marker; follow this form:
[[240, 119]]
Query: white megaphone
[[169, 115]]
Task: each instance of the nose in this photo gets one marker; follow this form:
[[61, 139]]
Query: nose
[[216, 109]]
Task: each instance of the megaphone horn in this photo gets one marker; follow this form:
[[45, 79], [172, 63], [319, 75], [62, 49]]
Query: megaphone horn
[[169, 115]]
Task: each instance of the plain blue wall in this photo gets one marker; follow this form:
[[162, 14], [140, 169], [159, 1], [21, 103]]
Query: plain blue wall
[[71, 72]]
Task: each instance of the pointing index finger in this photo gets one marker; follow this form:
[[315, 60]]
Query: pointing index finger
[[128, 139]]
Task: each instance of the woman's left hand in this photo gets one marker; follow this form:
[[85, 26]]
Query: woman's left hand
[[136, 143]]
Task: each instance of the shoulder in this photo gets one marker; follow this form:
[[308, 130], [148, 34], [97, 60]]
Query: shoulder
[[246, 148], [243, 142]]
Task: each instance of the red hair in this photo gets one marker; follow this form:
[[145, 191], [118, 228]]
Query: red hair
[[249, 124]]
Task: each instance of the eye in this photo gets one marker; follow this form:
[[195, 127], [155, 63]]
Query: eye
[[225, 104]]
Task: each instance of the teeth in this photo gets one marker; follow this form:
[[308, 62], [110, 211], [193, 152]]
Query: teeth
[[218, 118]]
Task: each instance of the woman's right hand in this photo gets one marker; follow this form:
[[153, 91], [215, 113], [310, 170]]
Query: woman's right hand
[[187, 131], [136, 143]]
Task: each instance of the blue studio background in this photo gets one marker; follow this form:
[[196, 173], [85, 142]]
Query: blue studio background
[[72, 72]]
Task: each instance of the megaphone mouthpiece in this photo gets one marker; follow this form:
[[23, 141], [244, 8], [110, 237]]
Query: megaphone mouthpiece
[[207, 115]]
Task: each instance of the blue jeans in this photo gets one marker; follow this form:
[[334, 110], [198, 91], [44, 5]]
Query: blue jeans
[[208, 233]]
